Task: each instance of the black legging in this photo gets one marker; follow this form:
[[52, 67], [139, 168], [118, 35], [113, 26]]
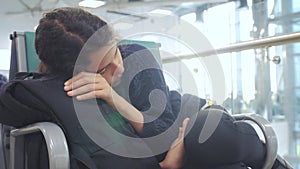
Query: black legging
[[231, 143]]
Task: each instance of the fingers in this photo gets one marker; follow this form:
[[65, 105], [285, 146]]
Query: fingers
[[86, 88], [82, 79], [180, 133], [185, 123], [86, 85], [89, 95], [76, 78], [182, 129]]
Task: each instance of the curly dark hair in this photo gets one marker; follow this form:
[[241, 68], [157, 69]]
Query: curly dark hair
[[63, 32]]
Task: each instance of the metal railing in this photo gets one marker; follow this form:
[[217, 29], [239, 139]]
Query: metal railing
[[237, 47]]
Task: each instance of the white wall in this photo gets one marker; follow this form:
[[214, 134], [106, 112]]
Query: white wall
[[9, 24], [19, 22]]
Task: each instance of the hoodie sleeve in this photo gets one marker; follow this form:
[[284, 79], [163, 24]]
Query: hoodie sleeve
[[148, 91], [150, 95], [14, 106]]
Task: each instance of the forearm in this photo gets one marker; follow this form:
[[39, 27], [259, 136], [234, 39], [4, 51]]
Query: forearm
[[128, 111]]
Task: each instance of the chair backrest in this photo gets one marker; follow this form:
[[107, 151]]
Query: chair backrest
[[2, 155], [4, 146], [152, 46], [23, 54]]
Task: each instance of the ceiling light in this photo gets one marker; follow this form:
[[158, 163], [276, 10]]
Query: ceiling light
[[91, 3], [161, 11]]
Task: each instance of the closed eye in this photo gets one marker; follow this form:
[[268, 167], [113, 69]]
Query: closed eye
[[102, 71]]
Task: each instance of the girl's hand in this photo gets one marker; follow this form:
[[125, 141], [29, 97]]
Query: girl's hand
[[174, 158], [87, 85]]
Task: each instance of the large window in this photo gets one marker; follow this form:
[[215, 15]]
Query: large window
[[255, 80]]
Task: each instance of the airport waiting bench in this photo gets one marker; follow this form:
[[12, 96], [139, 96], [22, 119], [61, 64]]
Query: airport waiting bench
[[24, 59]]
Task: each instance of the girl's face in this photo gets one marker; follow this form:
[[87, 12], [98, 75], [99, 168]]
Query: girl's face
[[108, 62]]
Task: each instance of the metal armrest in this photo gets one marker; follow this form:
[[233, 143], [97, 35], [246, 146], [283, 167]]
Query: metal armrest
[[269, 134], [2, 147], [56, 144]]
